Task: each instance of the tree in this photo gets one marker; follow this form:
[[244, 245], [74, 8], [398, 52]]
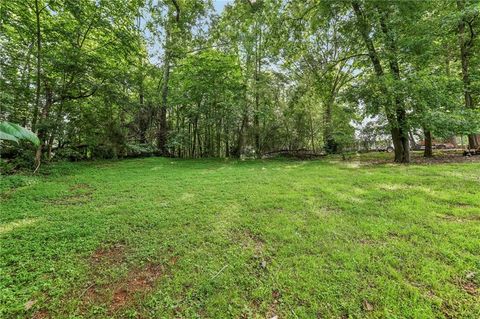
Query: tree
[[467, 34], [396, 114], [207, 85]]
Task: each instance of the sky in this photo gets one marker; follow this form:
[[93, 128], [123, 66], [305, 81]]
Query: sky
[[155, 51], [220, 4]]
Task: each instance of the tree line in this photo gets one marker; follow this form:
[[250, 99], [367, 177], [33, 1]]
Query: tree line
[[106, 79]]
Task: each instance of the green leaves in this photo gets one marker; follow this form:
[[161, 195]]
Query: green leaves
[[14, 132], [280, 74]]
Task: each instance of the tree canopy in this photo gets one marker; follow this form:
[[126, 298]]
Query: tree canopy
[[106, 79]]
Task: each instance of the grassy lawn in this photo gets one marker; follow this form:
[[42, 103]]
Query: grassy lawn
[[163, 238]]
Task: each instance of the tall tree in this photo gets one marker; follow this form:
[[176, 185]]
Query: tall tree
[[467, 34], [396, 115]]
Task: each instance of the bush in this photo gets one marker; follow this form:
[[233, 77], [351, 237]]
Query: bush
[[140, 150], [16, 158], [70, 154]]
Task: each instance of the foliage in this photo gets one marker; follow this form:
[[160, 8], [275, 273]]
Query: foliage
[[14, 132], [93, 77]]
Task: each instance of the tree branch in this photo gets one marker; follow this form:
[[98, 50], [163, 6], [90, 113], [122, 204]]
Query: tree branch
[[469, 44], [177, 9], [69, 97]]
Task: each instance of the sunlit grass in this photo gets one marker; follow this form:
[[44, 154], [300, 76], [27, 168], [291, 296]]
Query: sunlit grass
[[237, 239]]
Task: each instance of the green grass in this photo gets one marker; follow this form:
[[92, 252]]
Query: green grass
[[162, 238]]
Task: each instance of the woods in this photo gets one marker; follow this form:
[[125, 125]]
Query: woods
[[188, 79]]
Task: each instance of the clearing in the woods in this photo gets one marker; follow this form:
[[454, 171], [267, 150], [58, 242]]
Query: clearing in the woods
[[166, 238]]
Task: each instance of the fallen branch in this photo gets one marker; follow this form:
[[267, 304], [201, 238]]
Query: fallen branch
[[219, 272]]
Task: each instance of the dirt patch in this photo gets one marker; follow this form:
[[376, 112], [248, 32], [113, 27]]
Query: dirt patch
[[255, 307], [119, 294], [471, 288], [40, 314], [252, 242], [448, 310], [138, 281], [116, 294], [272, 311], [468, 284], [114, 254], [120, 298], [73, 199], [79, 194], [249, 240]]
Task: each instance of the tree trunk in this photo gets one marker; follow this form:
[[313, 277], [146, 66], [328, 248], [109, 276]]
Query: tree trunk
[[195, 134], [227, 137], [241, 136], [312, 134], [329, 142], [42, 132], [162, 122], [218, 141], [428, 144], [403, 154], [162, 133], [473, 141], [397, 144], [55, 129], [200, 146], [38, 80], [190, 139], [256, 122], [143, 114]]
